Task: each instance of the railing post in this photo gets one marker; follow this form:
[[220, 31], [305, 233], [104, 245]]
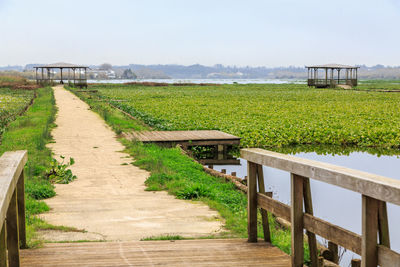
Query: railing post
[[21, 210], [3, 247], [252, 201], [12, 232], [383, 225], [369, 252], [297, 220]]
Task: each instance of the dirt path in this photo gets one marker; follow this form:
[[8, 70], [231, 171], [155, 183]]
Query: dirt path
[[108, 198]]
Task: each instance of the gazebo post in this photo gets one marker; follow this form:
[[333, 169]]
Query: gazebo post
[[37, 82], [73, 69], [326, 76], [338, 76], [61, 69]]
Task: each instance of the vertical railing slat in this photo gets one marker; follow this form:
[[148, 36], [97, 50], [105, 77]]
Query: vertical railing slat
[[297, 220], [383, 225], [369, 251], [21, 210], [3, 247], [264, 213], [12, 232], [252, 201], [308, 208]]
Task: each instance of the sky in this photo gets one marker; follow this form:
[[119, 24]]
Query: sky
[[230, 32]]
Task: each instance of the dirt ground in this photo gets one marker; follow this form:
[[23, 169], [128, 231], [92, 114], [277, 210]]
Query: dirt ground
[[108, 200]]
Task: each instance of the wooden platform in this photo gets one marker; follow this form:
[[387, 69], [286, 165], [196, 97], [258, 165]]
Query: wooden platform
[[201, 138], [212, 252]]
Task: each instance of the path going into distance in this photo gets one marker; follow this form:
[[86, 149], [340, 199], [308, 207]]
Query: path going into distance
[[108, 199]]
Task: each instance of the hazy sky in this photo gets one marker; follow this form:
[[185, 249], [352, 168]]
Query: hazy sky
[[246, 32]]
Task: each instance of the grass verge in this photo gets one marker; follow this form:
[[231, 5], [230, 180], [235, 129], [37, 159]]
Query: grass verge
[[184, 178], [31, 131]]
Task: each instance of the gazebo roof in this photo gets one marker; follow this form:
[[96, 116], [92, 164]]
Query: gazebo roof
[[61, 65], [333, 66]]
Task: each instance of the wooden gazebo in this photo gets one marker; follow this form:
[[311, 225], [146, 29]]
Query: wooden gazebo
[[45, 74], [329, 75]]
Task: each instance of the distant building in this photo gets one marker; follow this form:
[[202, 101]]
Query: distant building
[[329, 75]]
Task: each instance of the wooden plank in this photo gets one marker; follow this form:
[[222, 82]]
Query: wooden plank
[[296, 215], [334, 249], [264, 213], [181, 136], [369, 251], [12, 232], [308, 208], [388, 257], [376, 186], [227, 252], [11, 166], [3, 247], [252, 202], [21, 210]]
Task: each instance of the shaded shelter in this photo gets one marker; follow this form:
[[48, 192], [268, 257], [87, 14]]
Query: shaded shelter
[[332, 75], [76, 74]]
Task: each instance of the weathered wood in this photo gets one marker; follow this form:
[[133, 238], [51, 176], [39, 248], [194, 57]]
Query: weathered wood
[[320, 262], [296, 214], [3, 247], [355, 263], [212, 252], [264, 213], [274, 206], [379, 187], [383, 225], [308, 208], [313, 224], [388, 257], [21, 210], [369, 252], [11, 167], [333, 248], [252, 202], [12, 232]]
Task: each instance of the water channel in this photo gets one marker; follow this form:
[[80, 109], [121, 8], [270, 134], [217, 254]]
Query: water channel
[[331, 203]]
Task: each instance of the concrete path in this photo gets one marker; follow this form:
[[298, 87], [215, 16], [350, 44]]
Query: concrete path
[[108, 199]]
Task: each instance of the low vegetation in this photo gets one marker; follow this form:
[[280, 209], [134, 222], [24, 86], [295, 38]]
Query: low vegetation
[[269, 116], [31, 131]]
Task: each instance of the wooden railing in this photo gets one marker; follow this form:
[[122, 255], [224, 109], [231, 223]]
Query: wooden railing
[[376, 191], [12, 207]]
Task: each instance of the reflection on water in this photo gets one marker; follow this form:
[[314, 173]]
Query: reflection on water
[[331, 203]]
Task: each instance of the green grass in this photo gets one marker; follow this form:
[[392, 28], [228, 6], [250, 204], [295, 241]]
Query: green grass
[[184, 178], [31, 132], [268, 116], [163, 237]]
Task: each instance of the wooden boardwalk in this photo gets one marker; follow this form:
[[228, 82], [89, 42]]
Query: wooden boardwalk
[[201, 137], [212, 252]]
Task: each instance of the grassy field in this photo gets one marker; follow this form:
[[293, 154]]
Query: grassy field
[[31, 132], [269, 116], [12, 103]]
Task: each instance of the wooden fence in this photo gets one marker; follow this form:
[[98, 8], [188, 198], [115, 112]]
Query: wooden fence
[[12, 207], [376, 191]]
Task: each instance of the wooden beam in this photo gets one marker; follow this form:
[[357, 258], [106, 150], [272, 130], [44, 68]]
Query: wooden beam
[[369, 251], [383, 225], [296, 215], [252, 202], [388, 257], [376, 186]]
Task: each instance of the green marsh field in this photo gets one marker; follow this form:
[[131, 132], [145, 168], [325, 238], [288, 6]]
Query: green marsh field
[[270, 116]]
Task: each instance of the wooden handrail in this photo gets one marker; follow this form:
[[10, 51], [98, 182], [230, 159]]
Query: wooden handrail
[[376, 191], [12, 206]]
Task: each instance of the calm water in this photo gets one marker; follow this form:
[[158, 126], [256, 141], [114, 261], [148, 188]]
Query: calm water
[[331, 203], [217, 81]]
